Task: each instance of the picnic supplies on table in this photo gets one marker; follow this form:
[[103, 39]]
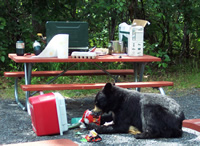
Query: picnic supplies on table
[[57, 47]]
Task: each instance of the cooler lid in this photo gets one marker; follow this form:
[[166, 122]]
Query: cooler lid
[[61, 112]]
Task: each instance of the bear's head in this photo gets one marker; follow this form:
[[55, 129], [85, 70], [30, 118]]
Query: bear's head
[[107, 99]]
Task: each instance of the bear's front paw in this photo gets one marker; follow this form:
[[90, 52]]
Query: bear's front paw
[[142, 136], [91, 126], [138, 136]]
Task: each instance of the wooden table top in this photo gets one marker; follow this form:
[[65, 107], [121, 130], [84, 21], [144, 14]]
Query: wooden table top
[[105, 58]]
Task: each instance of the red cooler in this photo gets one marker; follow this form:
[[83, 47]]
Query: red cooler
[[48, 114]]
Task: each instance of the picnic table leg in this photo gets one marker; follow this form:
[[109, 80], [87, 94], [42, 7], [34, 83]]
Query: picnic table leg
[[161, 90], [135, 73], [27, 71], [141, 76], [141, 72], [16, 95]]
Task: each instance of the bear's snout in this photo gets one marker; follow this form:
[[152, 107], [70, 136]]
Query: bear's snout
[[96, 111]]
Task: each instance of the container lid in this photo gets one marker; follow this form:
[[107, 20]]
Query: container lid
[[140, 22], [61, 112]]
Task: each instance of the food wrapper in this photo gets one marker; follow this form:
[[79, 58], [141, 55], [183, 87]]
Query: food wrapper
[[93, 136], [88, 117]]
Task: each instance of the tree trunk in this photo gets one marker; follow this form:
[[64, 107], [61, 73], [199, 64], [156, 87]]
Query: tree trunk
[[113, 24], [133, 8], [186, 42]]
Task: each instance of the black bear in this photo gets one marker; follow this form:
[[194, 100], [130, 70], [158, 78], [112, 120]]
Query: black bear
[[154, 115]]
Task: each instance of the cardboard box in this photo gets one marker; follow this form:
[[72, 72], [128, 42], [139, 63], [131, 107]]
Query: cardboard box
[[133, 36], [140, 22], [137, 49], [136, 38], [48, 114]]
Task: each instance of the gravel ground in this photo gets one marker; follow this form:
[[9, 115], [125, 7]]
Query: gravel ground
[[15, 124]]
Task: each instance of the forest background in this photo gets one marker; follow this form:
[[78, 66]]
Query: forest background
[[173, 35]]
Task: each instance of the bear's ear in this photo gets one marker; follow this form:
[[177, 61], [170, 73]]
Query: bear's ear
[[108, 87]]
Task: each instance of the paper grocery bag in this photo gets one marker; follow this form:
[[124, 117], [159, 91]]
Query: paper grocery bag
[[57, 47], [63, 43]]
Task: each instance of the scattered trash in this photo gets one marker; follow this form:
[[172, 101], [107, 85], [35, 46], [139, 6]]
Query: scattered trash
[[78, 133], [75, 120], [92, 49], [93, 136], [101, 51], [83, 140], [72, 126], [88, 117]]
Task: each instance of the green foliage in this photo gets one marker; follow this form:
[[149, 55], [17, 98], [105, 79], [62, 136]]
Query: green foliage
[[173, 35], [2, 43]]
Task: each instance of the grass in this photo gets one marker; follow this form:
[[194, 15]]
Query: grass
[[183, 76]]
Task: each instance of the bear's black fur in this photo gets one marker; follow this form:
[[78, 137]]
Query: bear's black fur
[[154, 115]]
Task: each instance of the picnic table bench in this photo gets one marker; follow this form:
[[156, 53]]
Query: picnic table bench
[[138, 61], [21, 74], [44, 87]]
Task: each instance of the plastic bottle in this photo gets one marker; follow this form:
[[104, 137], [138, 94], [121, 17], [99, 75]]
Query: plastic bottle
[[110, 49], [37, 47], [20, 46]]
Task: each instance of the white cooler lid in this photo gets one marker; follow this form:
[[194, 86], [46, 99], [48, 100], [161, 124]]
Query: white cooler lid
[[61, 112]]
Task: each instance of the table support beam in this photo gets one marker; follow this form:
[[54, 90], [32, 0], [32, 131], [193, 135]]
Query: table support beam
[[100, 67], [66, 69], [27, 71]]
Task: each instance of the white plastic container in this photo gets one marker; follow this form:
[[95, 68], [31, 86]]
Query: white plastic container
[[137, 33], [136, 41], [124, 33], [84, 55], [136, 49], [133, 36]]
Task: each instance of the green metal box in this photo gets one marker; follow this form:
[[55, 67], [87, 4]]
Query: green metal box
[[78, 33]]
